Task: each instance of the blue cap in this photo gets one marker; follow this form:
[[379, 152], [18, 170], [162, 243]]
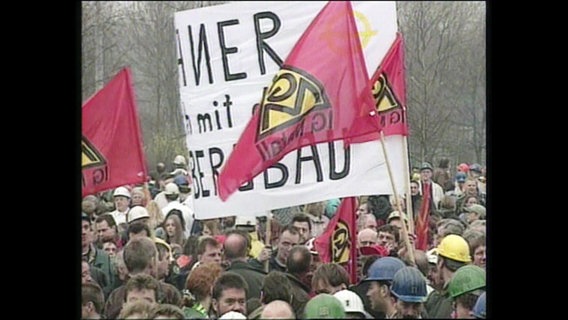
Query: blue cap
[[384, 269], [461, 177], [479, 308], [409, 285]]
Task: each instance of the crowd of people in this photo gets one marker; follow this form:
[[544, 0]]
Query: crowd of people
[[145, 256]]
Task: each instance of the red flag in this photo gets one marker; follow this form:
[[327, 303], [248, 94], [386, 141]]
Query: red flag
[[423, 219], [320, 94], [112, 153], [389, 90], [338, 243]]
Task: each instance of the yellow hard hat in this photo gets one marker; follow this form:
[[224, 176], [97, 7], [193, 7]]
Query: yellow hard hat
[[454, 247]]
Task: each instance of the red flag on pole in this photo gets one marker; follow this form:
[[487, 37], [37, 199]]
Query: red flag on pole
[[320, 94], [112, 153], [338, 243], [389, 90]]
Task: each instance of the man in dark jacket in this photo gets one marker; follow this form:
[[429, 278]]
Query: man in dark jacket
[[298, 265], [236, 252]]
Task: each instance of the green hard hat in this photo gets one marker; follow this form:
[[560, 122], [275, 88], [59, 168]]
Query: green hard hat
[[466, 279], [324, 306]]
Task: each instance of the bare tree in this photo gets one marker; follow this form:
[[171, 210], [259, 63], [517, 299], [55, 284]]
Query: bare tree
[[438, 37]]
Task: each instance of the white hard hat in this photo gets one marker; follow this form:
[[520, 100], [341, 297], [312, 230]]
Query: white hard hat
[[351, 302], [121, 191], [179, 159], [171, 189], [233, 315], [137, 212], [245, 221]]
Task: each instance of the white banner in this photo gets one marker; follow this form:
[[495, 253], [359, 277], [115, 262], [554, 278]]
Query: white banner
[[227, 54]]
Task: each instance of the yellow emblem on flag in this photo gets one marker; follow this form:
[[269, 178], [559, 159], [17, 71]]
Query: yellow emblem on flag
[[340, 243], [91, 157], [292, 95], [384, 98]]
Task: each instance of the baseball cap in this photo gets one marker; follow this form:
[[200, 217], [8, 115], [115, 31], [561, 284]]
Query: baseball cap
[[351, 302], [324, 306], [171, 189], [476, 208], [374, 250]]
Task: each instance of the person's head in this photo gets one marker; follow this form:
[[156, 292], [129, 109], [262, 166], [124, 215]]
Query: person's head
[[414, 188], [409, 289], [140, 309], [303, 223], [453, 253], [388, 236], [278, 309], [140, 256], [289, 237], [299, 260], [330, 278], [368, 221], [381, 272], [474, 212], [171, 191], [352, 304], [165, 258], [465, 287], [85, 272], [229, 294], [121, 269], [209, 250], [160, 167], [137, 197], [367, 237], [237, 244], [141, 287], [276, 286], [211, 227], [470, 187], [476, 241], [200, 281], [479, 225], [446, 227], [433, 277], [121, 198], [86, 231], [167, 311], [92, 300], [324, 306], [89, 204], [229, 222], [138, 214], [426, 170], [106, 227], [394, 219], [363, 209], [110, 248], [316, 209], [138, 230]]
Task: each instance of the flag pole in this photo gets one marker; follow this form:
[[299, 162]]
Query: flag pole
[[267, 236], [409, 209], [409, 248]]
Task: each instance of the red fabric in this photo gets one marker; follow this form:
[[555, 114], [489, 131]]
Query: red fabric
[[339, 240], [112, 145], [422, 221], [320, 94]]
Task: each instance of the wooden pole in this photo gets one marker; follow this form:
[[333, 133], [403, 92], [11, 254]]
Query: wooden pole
[[267, 236], [409, 248], [409, 209]]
